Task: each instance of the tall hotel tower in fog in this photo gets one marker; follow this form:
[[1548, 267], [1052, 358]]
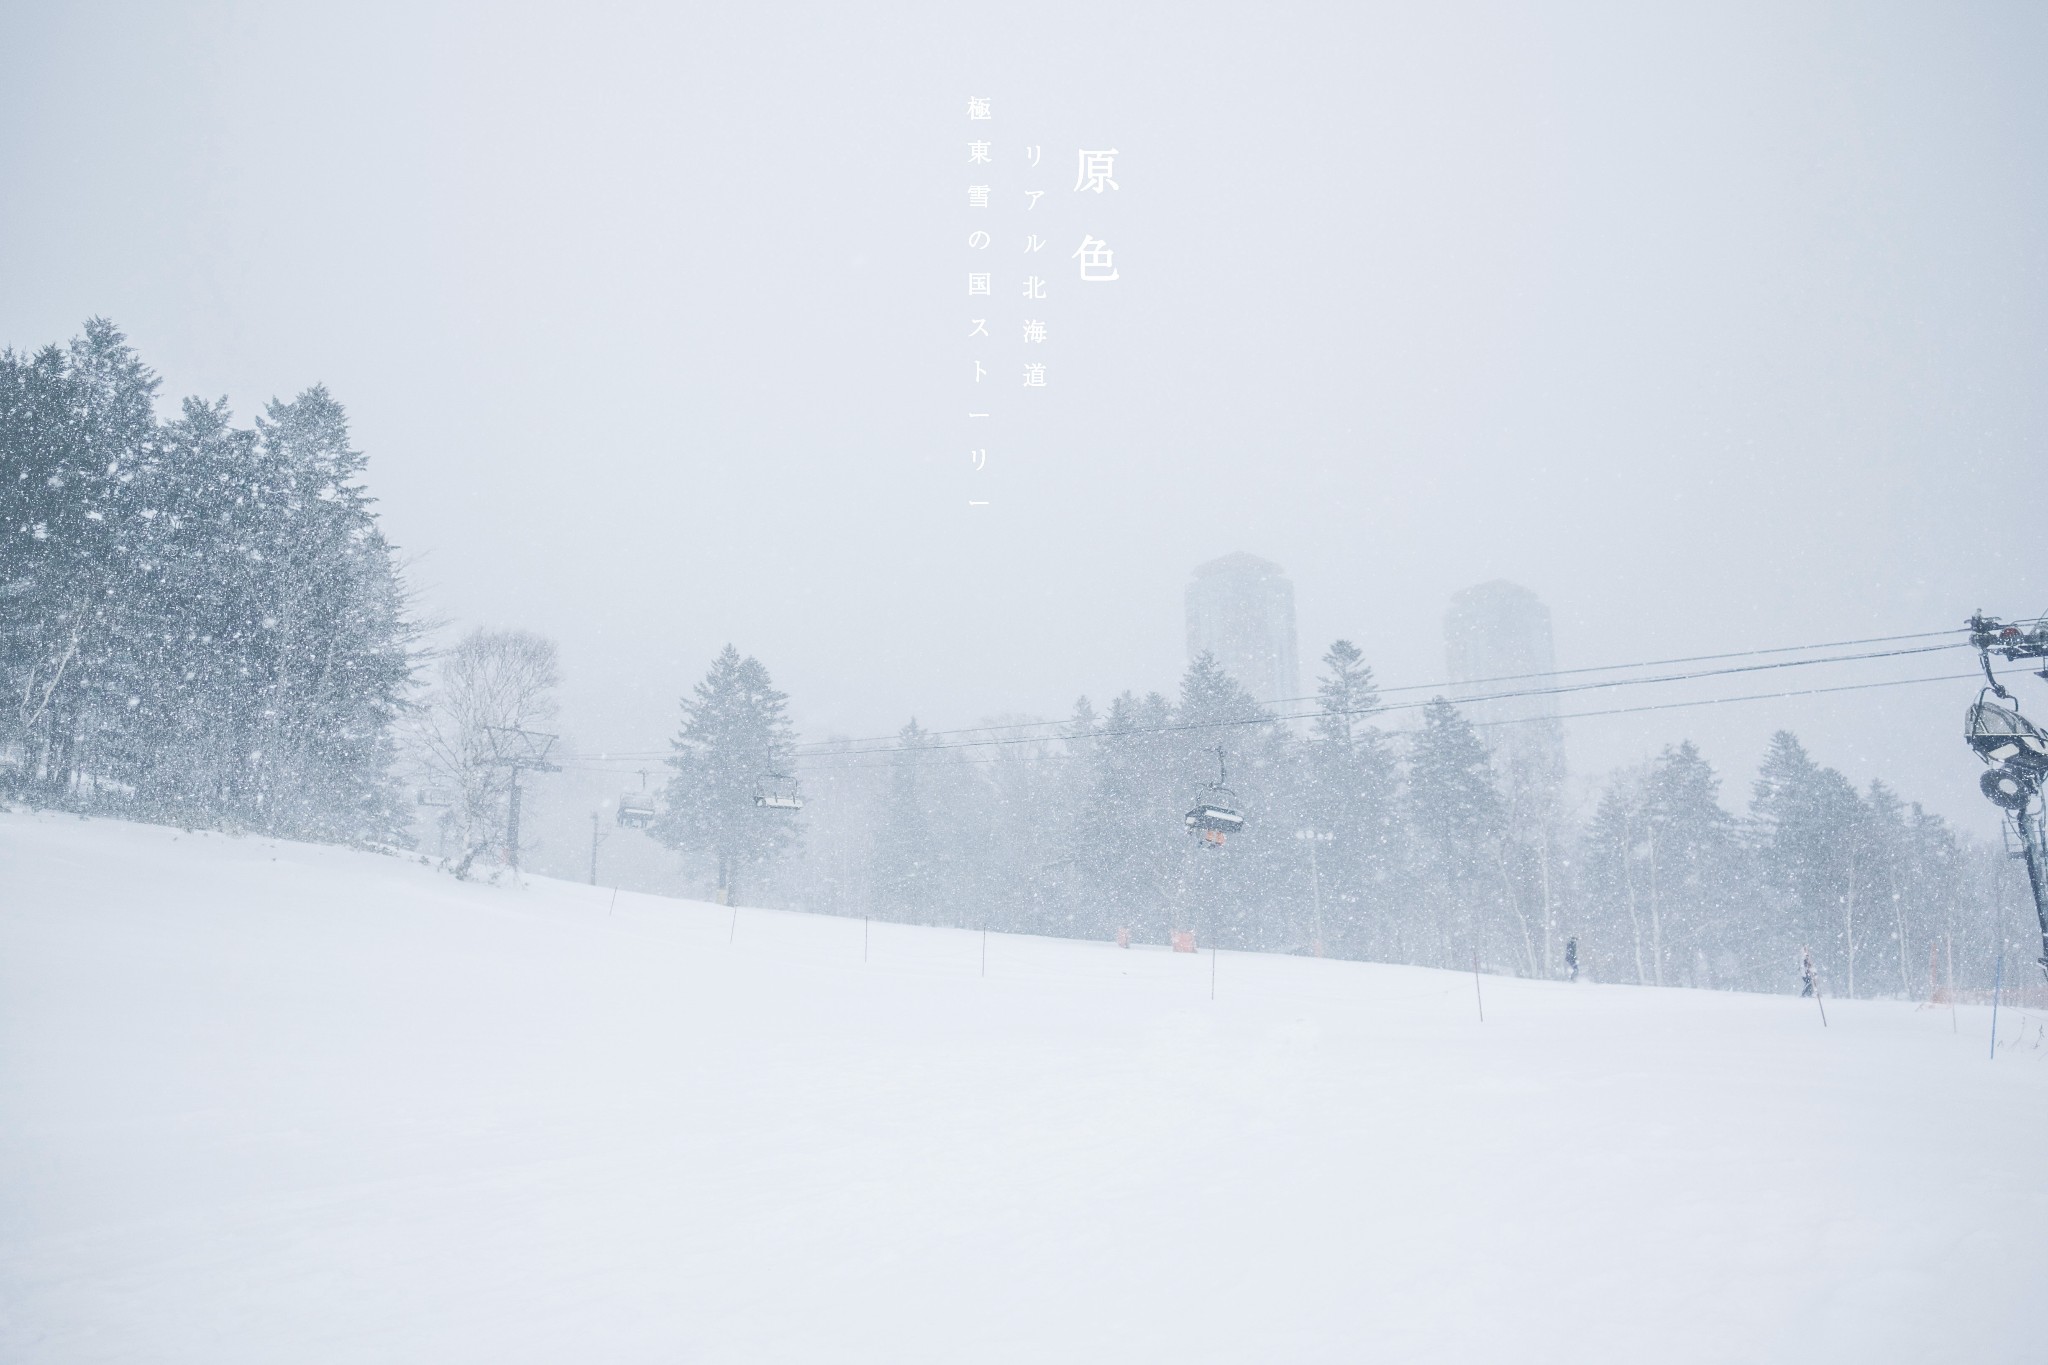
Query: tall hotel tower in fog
[[1500, 630], [1241, 609]]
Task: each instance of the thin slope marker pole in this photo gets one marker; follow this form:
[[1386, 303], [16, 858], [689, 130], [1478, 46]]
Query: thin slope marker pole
[[1997, 988], [1476, 995], [615, 901], [733, 931], [1215, 945], [1950, 945]]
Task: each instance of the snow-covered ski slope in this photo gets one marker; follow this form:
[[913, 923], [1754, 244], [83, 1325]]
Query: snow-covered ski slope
[[266, 1102]]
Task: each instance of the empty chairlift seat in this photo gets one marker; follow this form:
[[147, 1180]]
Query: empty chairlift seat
[[636, 810]]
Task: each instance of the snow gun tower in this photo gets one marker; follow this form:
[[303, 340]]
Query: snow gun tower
[[2015, 748]]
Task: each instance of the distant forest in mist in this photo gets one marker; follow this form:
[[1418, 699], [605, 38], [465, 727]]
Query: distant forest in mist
[[201, 624]]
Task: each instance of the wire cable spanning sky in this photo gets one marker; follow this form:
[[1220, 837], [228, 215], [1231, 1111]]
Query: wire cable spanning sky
[[1041, 731], [829, 760]]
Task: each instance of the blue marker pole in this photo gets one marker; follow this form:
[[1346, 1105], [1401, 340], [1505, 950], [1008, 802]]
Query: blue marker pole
[[1997, 985]]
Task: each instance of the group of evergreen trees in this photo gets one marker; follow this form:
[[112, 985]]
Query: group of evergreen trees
[[199, 622], [1421, 847]]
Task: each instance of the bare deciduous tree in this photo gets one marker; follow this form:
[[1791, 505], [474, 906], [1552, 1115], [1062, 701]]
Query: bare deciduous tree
[[492, 680]]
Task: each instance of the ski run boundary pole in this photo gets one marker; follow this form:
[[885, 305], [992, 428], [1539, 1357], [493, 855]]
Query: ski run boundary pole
[[1949, 951], [1997, 988]]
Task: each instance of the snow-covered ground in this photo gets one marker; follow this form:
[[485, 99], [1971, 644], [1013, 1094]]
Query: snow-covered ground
[[269, 1102]]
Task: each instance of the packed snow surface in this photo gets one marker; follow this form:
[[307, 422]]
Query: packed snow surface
[[264, 1101]]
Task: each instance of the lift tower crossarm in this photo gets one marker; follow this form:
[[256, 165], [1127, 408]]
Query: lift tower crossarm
[[2010, 640]]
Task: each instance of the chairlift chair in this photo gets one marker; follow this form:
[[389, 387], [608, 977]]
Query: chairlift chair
[[1214, 816], [2001, 736], [636, 810], [2015, 748], [777, 791]]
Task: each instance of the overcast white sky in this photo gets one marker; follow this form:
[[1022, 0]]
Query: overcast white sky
[[1718, 330]]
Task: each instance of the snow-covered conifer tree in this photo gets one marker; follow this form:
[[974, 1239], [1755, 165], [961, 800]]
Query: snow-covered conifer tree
[[734, 739], [1351, 794], [1809, 821], [76, 426], [1456, 809], [913, 861], [1231, 895], [1127, 844], [1695, 879]]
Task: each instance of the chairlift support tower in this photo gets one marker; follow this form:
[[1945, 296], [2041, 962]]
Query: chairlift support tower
[[2014, 749], [518, 750]]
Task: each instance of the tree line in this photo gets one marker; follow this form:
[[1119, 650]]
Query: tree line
[[1433, 847], [200, 623]]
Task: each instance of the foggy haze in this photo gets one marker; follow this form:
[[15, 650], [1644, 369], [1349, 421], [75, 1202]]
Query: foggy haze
[[1022, 682], [1717, 331]]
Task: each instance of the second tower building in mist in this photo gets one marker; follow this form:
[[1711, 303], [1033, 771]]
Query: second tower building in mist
[[1497, 645], [1241, 609]]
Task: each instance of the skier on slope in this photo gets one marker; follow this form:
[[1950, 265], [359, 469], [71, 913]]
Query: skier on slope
[[1571, 958], [1806, 973]]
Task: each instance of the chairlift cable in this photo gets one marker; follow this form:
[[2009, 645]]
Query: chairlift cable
[[817, 762], [832, 746], [817, 765], [1268, 719]]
